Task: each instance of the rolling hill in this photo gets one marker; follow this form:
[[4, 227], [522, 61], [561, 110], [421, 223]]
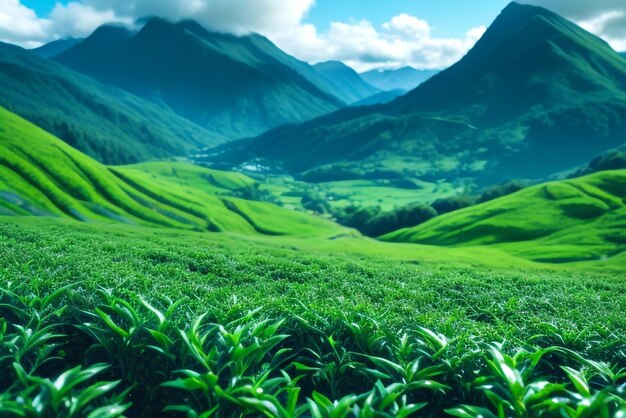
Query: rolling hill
[[574, 220], [41, 175], [536, 96], [236, 86], [106, 123], [345, 82], [406, 78]]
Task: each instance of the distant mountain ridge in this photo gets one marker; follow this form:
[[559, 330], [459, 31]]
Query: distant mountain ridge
[[537, 95], [236, 86], [345, 82], [56, 47], [380, 98], [104, 122], [405, 78]]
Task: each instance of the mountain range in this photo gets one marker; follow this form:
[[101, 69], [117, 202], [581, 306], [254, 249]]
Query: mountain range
[[104, 122], [405, 78], [56, 47], [345, 82], [234, 86], [536, 96]]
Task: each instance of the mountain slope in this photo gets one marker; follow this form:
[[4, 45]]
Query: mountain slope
[[579, 219], [40, 175], [537, 95], [345, 82], [103, 122], [236, 86], [406, 78], [55, 47], [380, 98]]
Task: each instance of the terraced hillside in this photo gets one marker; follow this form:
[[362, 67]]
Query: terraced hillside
[[41, 175], [579, 219]]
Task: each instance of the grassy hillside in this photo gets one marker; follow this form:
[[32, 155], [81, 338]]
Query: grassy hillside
[[101, 121], [41, 175], [536, 96], [237, 86], [345, 82], [578, 219]]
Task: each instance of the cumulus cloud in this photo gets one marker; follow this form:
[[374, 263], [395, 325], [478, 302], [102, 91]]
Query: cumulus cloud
[[19, 24], [404, 40], [605, 18]]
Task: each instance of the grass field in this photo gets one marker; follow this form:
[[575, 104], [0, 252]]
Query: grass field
[[316, 321]]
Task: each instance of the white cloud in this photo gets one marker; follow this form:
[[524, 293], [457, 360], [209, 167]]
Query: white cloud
[[404, 40], [20, 24], [605, 18], [79, 20]]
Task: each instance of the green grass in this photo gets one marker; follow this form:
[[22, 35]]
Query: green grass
[[41, 175], [565, 221], [329, 315]]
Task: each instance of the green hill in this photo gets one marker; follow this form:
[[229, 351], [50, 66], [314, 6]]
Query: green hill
[[345, 82], [236, 86], [101, 121], [40, 175], [537, 95], [406, 78], [578, 219]]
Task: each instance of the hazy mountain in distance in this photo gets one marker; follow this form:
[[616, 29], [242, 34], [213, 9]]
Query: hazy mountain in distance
[[406, 78], [380, 98], [56, 47], [345, 82], [236, 86]]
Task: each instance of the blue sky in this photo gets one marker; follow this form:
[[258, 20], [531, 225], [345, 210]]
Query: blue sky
[[366, 34], [447, 17]]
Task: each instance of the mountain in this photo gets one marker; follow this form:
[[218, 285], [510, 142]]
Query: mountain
[[380, 98], [236, 86], [40, 175], [406, 78], [345, 82], [536, 96], [106, 123], [573, 220], [56, 47]]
